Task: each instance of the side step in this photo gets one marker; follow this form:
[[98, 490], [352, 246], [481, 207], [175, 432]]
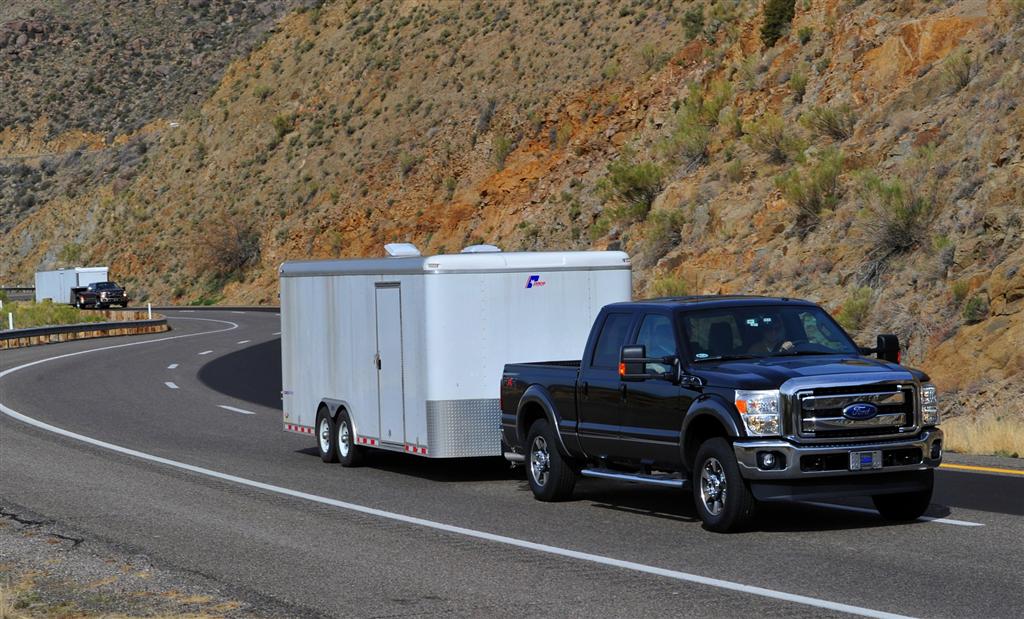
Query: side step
[[671, 481]]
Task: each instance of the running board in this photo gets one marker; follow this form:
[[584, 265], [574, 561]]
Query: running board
[[672, 481]]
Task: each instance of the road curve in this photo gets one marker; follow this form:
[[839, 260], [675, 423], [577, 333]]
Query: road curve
[[238, 500]]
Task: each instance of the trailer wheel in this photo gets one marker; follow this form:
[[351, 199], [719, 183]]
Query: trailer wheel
[[723, 498], [349, 454], [325, 436], [550, 476]]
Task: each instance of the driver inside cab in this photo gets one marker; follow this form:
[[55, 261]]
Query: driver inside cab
[[768, 335]]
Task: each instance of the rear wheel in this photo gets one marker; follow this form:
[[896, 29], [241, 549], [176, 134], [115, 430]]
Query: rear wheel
[[906, 506], [723, 499], [551, 478], [349, 454], [325, 436]]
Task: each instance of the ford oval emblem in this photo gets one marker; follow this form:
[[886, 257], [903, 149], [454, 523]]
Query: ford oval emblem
[[860, 411]]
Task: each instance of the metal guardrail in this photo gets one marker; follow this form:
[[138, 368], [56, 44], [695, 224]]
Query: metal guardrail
[[223, 308], [16, 338]]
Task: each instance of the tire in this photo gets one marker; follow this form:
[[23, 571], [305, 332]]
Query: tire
[[721, 495], [349, 454], [325, 436], [550, 475], [907, 506]]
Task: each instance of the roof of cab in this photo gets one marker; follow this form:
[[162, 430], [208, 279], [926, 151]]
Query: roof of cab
[[462, 263], [710, 301]]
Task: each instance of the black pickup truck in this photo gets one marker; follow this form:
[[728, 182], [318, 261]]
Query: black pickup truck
[[99, 295], [740, 399]]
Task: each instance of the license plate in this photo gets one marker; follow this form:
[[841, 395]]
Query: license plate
[[865, 460]]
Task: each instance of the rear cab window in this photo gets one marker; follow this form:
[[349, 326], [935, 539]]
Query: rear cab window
[[611, 340]]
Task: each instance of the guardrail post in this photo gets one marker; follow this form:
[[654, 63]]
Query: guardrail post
[[10, 321], [149, 308]]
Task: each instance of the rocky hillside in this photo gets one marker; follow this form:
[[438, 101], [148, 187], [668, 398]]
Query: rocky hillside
[[865, 154]]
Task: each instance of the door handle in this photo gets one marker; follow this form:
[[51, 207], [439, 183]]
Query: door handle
[[584, 388], [622, 391]]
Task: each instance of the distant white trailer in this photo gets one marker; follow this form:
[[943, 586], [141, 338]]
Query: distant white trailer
[[405, 353], [59, 286]]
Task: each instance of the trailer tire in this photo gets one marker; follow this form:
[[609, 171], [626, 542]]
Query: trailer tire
[[349, 454], [722, 497], [550, 475], [325, 436]]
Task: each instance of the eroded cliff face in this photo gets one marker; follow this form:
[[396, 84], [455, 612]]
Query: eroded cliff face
[[869, 160]]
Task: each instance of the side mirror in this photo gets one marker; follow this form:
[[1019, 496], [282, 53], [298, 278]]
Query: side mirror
[[632, 362], [888, 348]]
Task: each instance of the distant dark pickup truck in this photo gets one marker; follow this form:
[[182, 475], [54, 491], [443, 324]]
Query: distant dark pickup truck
[[99, 295], [740, 399]]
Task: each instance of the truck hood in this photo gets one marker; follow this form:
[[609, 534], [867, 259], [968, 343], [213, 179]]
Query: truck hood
[[771, 372]]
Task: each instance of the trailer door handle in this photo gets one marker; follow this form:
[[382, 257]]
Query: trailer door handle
[[376, 360]]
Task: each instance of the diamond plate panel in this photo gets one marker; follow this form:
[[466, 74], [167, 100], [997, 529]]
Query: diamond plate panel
[[463, 428]]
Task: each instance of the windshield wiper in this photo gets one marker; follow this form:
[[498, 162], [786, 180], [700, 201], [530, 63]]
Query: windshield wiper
[[798, 353], [728, 358]]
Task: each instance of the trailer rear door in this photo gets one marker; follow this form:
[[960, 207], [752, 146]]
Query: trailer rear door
[[390, 388]]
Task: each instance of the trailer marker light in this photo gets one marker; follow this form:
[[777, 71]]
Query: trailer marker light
[[413, 449], [291, 427]]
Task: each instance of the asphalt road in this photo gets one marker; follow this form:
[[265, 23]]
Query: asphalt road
[[259, 512]]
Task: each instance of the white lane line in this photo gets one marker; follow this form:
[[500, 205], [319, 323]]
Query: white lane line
[[430, 524], [171, 385], [205, 352], [237, 312], [276, 333], [172, 366], [277, 314], [865, 510], [237, 410], [244, 341]]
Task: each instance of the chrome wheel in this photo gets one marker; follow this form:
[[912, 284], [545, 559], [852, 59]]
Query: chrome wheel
[[540, 461], [713, 486], [344, 438], [324, 434]]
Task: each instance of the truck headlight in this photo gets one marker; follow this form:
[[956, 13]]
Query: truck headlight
[[929, 405], [760, 411]]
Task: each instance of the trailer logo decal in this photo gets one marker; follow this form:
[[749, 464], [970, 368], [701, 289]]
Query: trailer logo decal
[[534, 280]]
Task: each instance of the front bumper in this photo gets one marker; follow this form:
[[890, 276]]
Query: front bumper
[[801, 461]]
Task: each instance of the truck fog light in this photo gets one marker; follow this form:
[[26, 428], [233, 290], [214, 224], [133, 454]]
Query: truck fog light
[[936, 450], [770, 460], [767, 460]]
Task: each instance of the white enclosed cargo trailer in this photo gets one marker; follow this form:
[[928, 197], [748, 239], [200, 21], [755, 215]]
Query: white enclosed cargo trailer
[[57, 285], [411, 348]]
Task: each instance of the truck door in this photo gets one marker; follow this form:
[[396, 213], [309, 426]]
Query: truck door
[[655, 407], [390, 388], [600, 392]]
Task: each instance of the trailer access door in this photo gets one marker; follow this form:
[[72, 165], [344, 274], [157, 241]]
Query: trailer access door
[[390, 375]]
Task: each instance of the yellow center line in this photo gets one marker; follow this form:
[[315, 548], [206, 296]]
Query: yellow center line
[[984, 469]]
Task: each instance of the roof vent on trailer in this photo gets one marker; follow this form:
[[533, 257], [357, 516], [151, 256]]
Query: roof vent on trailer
[[481, 249], [401, 249]]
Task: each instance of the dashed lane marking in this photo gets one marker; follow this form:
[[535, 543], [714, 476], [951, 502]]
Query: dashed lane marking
[[172, 366], [865, 510], [980, 469], [171, 385], [236, 410], [205, 352], [276, 333], [244, 341]]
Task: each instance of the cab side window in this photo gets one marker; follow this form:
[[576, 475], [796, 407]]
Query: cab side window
[[657, 336], [611, 340]]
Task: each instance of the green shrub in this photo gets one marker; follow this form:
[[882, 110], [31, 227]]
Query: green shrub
[[503, 146], [688, 141], [813, 190], [959, 290], [835, 122], [406, 163], [652, 57], [798, 82], [855, 310], [778, 14], [661, 233], [770, 136], [735, 171], [693, 22], [70, 254], [804, 34], [632, 184], [896, 212], [976, 310], [669, 286], [959, 69], [283, 125]]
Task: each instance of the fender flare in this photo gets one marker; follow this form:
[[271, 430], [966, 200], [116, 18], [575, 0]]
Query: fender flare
[[710, 406], [538, 395]]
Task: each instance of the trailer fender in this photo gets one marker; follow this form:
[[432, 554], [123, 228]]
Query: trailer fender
[[537, 399], [708, 415], [333, 406]]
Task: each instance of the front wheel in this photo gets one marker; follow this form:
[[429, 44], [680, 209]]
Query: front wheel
[[723, 499], [906, 506], [325, 436], [551, 478]]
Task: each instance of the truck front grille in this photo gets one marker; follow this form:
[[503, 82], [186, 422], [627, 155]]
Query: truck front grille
[[819, 411]]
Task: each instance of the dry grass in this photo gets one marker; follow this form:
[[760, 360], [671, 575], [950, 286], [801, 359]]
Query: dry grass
[[989, 434], [28, 314]]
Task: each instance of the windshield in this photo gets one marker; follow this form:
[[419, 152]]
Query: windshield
[[763, 331], [106, 286]]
